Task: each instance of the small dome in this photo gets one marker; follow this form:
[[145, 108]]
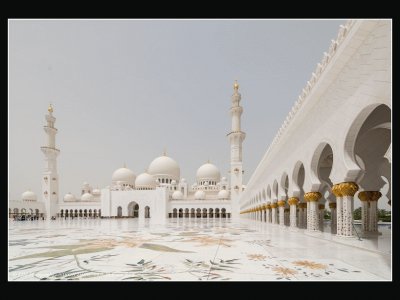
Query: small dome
[[173, 182], [206, 183], [69, 198], [96, 192], [199, 195], [177, 195], [223, 179], [145, 180], [165, 165], [124, 175], [183, 180], [87, 197], [223, 194], [28, 196], [209, 172]]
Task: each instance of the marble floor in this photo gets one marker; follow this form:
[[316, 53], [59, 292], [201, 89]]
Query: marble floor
[[182, 250]]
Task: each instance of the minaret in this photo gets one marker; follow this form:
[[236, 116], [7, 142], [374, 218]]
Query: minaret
[[236, 138], [50, 175]]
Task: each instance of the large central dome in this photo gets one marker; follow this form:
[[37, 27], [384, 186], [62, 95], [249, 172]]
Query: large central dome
[[208, 172], [165, 166]]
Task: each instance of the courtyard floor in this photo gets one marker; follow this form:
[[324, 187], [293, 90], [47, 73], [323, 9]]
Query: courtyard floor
[[182, 250]]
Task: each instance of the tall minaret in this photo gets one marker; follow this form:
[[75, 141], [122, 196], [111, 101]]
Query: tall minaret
[[236, 138], [50, 175]]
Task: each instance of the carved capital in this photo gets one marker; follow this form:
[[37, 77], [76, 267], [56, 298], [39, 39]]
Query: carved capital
[[274, 205], [332, 204], [345, 189], [336, 190], [321, 206], [348, 188], [281, 203], [302, 205], [268, 206], [312, 196], [293, 201], [369, 195]]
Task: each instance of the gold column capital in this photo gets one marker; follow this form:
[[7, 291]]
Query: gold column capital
[[312, 196], [281, 203], [293, 200], [332, 204], [274, 205], [345, 189], [268, 206], [302, 205], [369, 195], [321, 206], [287, 210]]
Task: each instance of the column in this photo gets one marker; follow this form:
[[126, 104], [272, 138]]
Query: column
[[373, 212], [274, 216], [287, 213], [369, 214], [281, 204], [364, 197], [293, 207], [332, 206], [302, 214], [312, 214], [268, 213], [344, 193], [321, 208]]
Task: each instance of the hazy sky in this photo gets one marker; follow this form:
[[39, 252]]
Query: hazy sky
[[123, 90]]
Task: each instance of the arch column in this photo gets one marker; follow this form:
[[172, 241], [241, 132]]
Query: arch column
[[268, 213], [332, 206], [281, 204], [312, 214], [302, 215], [287, 216], [321, 208], [369, 214], [273, 213], [293, 201], [344, 193]]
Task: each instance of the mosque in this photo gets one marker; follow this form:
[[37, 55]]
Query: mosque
[[332, 152], [159, 193]]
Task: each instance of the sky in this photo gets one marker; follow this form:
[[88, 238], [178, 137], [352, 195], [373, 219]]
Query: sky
[[125, 90]]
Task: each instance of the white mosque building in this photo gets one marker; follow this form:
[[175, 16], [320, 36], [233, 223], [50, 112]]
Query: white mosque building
[[159, 193], [333, 151]]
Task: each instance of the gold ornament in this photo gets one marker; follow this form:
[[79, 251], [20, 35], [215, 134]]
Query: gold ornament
[[293, 201], [312, 196], [369, 195], [281, 203]]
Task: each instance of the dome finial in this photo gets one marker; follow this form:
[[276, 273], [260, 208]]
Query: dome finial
[[208, 160], [50, 108], [124, 165], [165, 151], [236, 86]]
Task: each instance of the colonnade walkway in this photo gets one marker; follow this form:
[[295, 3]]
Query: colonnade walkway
[[183, 250]]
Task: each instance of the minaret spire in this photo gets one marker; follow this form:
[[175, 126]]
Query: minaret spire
[[236, 138], [50, 175]]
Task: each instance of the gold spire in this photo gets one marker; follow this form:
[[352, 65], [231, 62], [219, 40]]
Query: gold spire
[[165, 151], [50, 108], [236, 86], [124, 165], [208, 161]]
